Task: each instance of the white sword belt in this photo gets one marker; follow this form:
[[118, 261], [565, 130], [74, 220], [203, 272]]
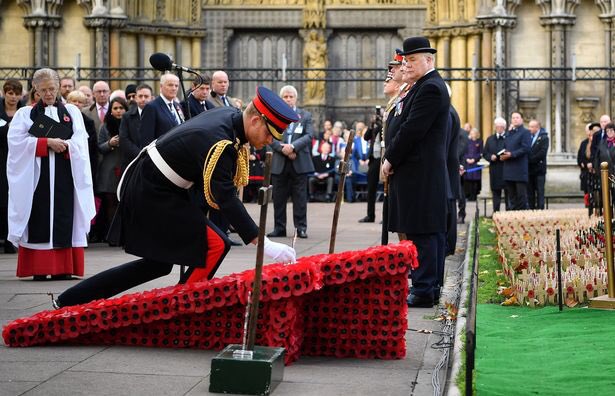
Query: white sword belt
[[161, 165]]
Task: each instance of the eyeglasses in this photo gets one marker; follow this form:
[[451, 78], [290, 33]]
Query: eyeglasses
[[46, 90]]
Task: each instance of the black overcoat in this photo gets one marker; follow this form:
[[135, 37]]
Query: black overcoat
[[161, 221], [130, 142], [416, 136], [493, 145]]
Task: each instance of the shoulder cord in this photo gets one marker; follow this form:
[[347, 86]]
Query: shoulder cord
[[240, 178]]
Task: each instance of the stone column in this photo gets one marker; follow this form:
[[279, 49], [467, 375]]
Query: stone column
[[495, 27], [195, 51], [43, 43], [486, 88], [458, 60], [443, 56], [114, 57], [557, 25], [474, 87]]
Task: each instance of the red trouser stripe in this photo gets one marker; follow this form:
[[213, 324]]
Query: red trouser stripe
[[216, 250]]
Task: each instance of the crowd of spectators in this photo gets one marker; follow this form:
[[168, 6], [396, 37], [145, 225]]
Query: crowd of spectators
[[122, 122]]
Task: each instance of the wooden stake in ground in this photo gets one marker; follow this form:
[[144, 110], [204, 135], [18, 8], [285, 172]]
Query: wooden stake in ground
[[343, 170], [264, 195]]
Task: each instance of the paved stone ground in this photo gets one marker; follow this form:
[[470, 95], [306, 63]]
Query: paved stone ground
[[80, 370]]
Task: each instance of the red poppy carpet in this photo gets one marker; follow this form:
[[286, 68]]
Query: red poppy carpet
[[349, 304]]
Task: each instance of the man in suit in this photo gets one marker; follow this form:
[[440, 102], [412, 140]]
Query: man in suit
[[493, 148], [67, 85], [100, 106], [130, 143], [218, 97], [324, 171], [517, 147], [197, 101], [163, 113], [537, 165], [219, 89], [599, 136], [415, 163], [89, 97], [290, 166]]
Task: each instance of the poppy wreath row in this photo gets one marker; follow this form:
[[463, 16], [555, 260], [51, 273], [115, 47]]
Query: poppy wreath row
[[346, 304]]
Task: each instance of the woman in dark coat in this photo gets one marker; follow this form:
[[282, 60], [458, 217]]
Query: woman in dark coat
[[109, 169], [584, 155], [474, 152], [8, 107]]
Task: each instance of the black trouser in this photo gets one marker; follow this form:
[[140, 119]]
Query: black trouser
[[462, 200], [451, 228], [373, 178], [536, 191], [517, 193], [113, 281], [497, 198], [430, 249], [290, 183]]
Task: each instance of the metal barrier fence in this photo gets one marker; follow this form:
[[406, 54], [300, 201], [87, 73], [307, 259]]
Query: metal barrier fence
[[133, 74], [471, 315]]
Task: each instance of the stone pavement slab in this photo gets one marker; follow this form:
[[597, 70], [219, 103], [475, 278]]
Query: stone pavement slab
[[115, 370]]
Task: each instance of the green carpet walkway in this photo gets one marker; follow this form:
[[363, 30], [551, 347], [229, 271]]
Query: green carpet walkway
[[523, 351]]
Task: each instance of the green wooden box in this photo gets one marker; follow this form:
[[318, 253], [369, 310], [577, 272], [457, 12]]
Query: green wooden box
[[257, 376]]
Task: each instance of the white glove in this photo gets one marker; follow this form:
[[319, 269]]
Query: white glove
[[279, 252]]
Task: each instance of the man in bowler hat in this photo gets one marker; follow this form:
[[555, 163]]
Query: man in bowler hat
[[158, 218], [415, 163]]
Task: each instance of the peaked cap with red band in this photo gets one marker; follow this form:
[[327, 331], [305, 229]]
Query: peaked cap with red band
[[276, 113], [397, 59]]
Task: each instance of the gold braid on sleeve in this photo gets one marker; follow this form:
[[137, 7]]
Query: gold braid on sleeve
[[241, 172]]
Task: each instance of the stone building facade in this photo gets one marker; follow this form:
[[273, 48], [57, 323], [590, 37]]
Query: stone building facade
[[273, 42]]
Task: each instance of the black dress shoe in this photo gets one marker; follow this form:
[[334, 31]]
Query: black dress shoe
[[367, 219], [302, 234], [62, 277], [234, 243], [277, 234], [39, 277], [415, 301]]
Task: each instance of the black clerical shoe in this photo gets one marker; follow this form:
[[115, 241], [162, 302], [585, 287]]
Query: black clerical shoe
[[415, 301], [277, 234], [301, 233], [62, 277], [367, 219], [39, 277], [234, 243]]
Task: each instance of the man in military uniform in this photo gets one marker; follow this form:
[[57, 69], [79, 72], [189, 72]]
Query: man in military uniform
[[158, 219]]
